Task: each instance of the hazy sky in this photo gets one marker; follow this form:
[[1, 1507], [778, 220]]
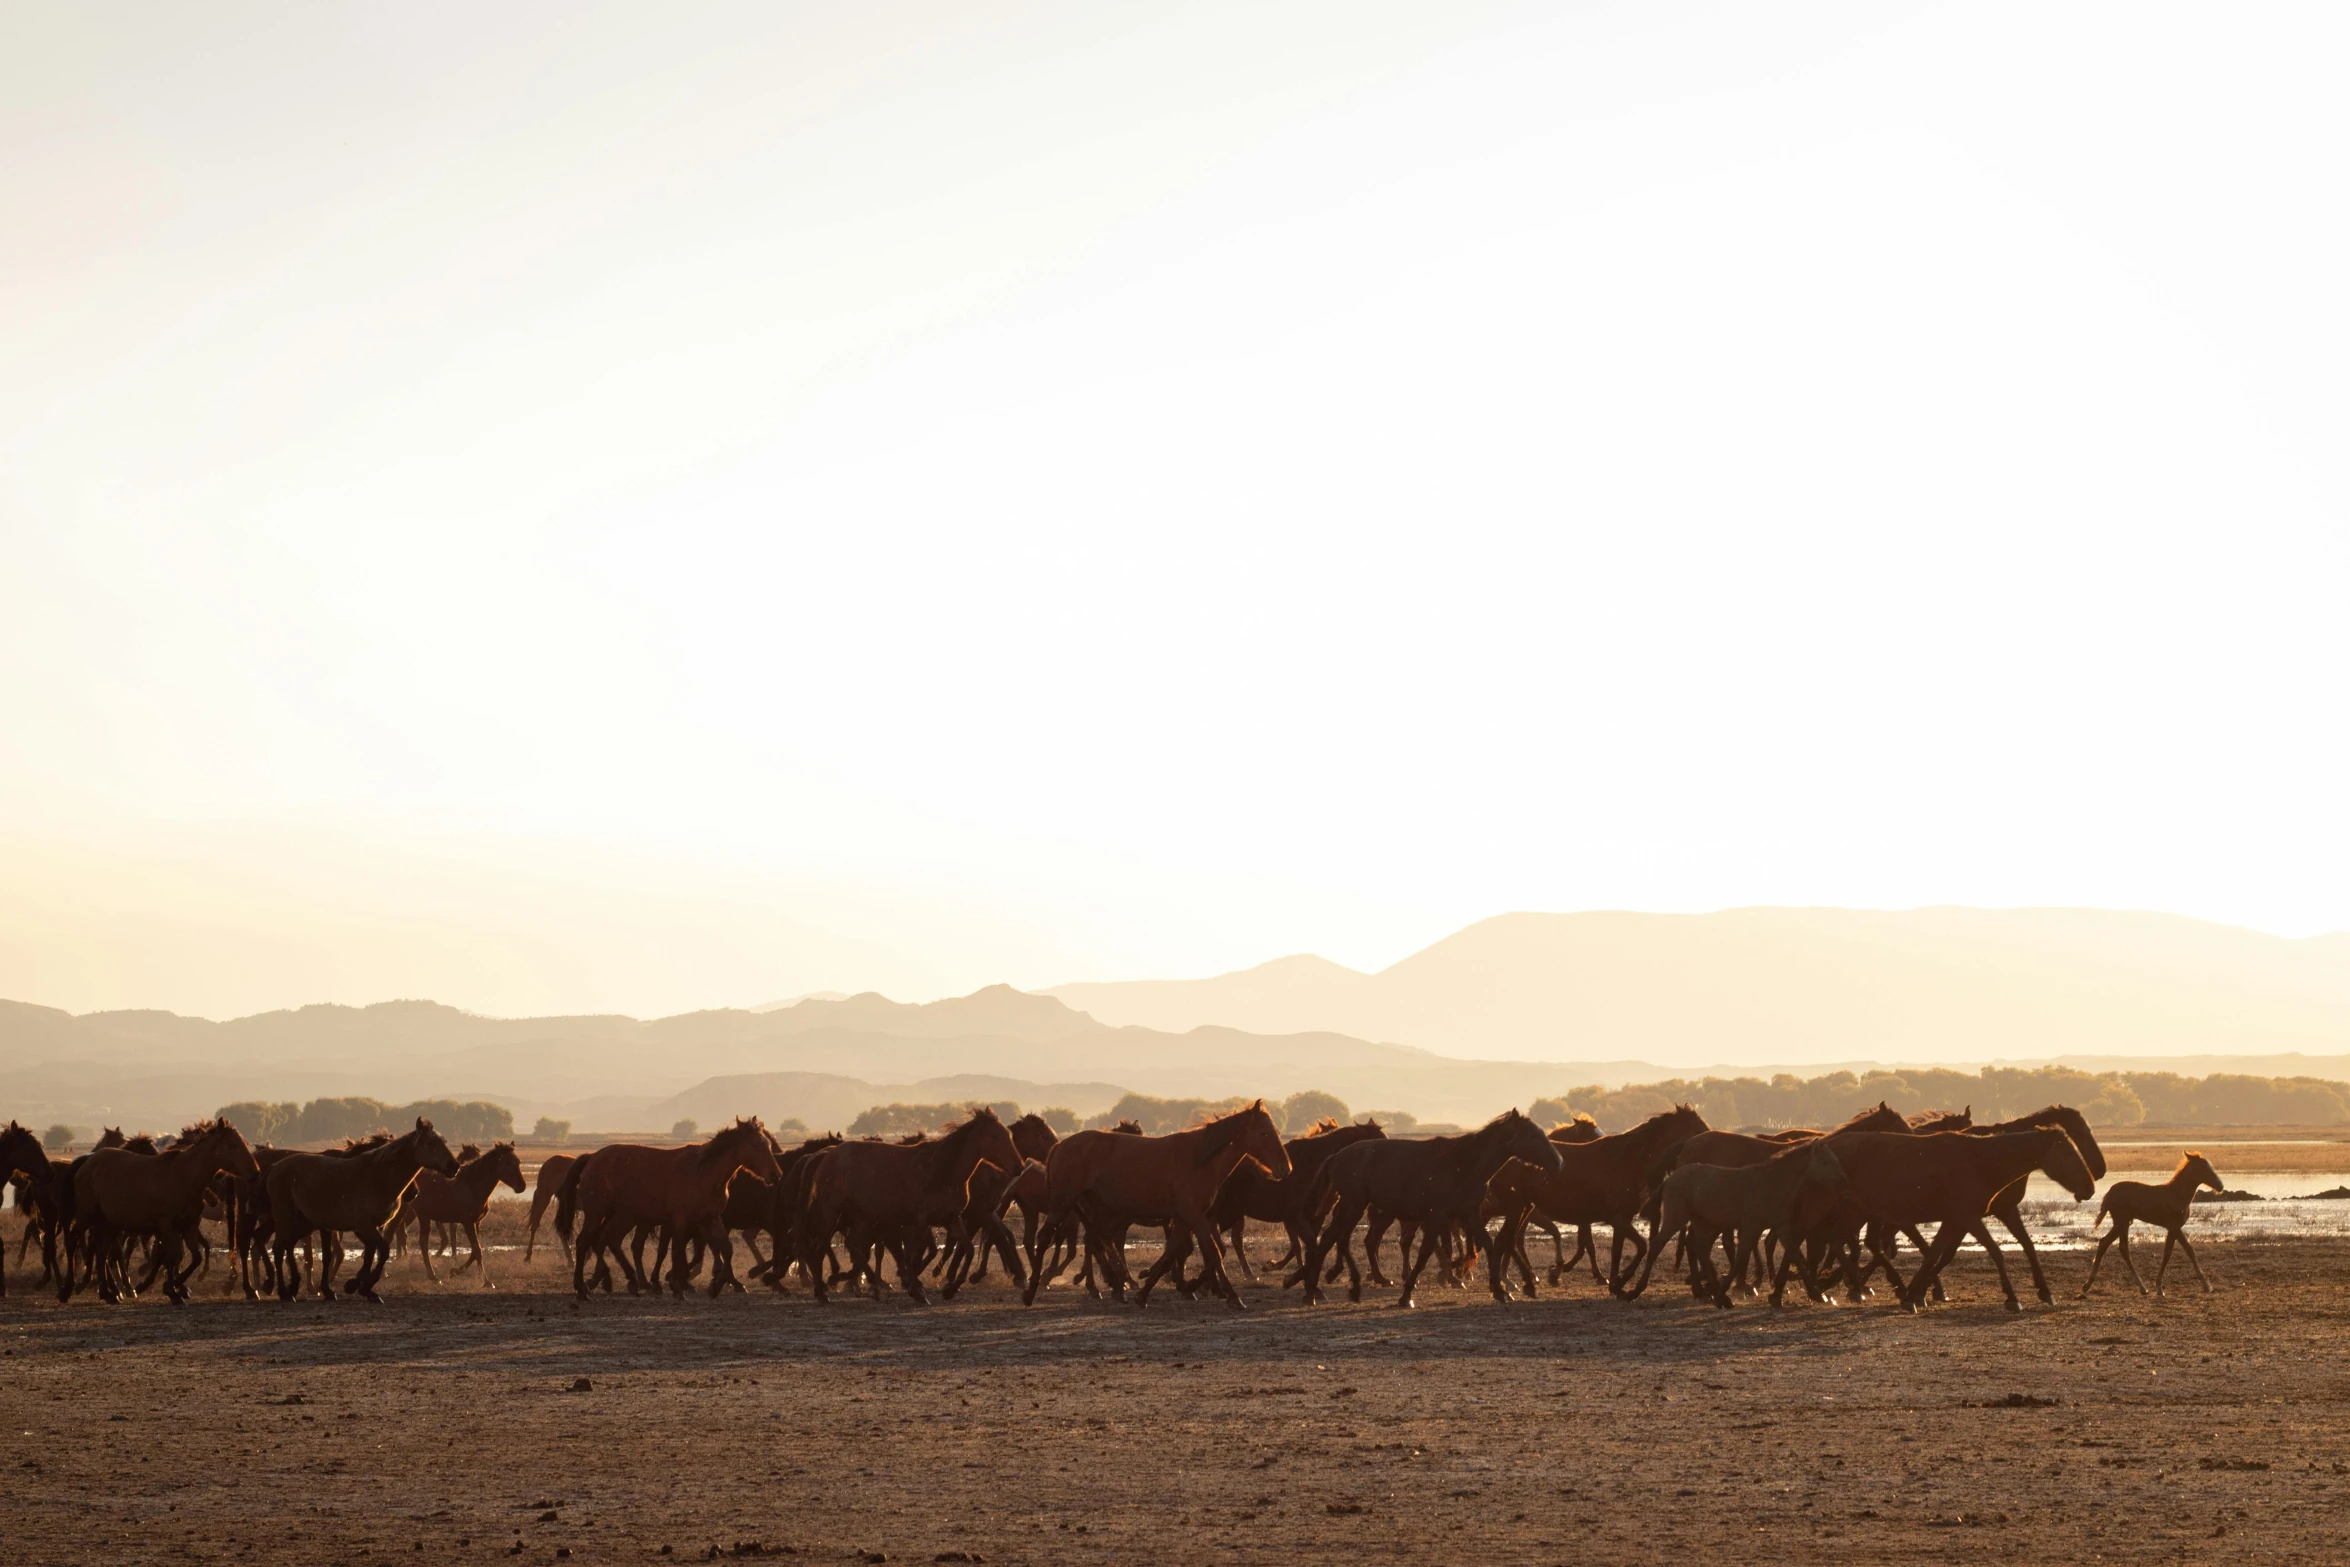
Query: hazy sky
[[581, 507]]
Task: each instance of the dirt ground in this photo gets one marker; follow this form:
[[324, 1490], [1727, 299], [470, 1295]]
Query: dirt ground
[[450, 1424]]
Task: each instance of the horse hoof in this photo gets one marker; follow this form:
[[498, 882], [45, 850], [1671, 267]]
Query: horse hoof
[[2015, 1305]]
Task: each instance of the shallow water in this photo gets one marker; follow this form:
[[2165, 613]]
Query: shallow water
[[2060, 1223]]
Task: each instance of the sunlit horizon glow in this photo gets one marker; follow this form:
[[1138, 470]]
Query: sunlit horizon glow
[[564, 511]]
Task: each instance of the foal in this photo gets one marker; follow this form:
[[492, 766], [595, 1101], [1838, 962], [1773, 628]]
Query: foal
[[2167, 1205]]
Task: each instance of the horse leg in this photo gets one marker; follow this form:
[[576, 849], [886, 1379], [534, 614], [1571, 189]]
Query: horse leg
[[2097, 1261], [721, 1258], [2011, 1215], [2170, 1238], [473, 1239], [2191, 1262], [1373, 1233], [1982, 1233], [1937, 1257], [375, 1254], [2122, 1237], [1429, 1232]]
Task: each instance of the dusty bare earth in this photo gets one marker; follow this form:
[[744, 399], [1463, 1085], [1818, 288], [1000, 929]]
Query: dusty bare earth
[[444, 1426]]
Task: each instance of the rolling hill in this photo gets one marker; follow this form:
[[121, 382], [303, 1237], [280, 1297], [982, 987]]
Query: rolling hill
[[1752, 986]]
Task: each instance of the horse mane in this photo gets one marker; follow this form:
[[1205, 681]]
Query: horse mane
[[1859, 1116], [468, 1153], [194, 1130]]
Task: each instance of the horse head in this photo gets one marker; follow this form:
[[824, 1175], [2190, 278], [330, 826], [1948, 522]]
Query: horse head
[[987, 1136], [109, 1138], [505, 1164], [2200, 1168], [2064, 1165], [1582, 1129], [1258, 1139], [224, 1144], [2076, 1127], [430, 1148], [21, 1150], [746, 1142], [1033, 1135], [1526, 1142]]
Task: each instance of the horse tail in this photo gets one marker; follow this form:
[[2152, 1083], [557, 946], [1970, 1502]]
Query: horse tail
[[567, 1200], [2101, 1211]]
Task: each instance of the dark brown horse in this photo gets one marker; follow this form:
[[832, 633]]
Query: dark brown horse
[[1603, 1181], [358, 1194], [24, 1163], [1099, 1184], [2008, 1206], [1251, 1193], [1439, 1183], [1791, 1191], [1899, 1179], [118, 1194], [460, 1201], [681, 1192], [880, 1194]]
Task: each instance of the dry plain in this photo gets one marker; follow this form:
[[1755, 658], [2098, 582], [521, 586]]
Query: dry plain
[[445, 1426]]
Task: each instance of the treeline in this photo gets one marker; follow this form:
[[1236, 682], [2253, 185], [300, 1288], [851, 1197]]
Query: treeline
[[1994, 1094], [332, 1120]]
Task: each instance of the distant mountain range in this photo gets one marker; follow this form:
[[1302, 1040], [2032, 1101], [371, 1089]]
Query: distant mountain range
[[1755, 986], [819, 1060], [1510, 1009]]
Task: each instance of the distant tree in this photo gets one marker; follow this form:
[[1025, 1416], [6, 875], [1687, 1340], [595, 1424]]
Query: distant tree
[[58, 1138], [1549, 1112], [684, 1130], [262, 1121], [1061, 1119], [549, 1130], [1300, 1111]]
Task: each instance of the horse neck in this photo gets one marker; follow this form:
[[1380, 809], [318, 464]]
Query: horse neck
[[718, 1165], [2184, 1179], [193, 1166], [1487, 1152], [2010, 1155], [477, 1179], [953, 1158]]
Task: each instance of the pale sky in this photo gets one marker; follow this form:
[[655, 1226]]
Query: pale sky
[[565, 507]]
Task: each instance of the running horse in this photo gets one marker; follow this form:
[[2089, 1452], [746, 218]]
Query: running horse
[[890, 1194], [25, 1163], [460, 1200], [1897, 1179], [1438, 1183], [680, 1191], [1606, 1180], [1099, 1184], [359, 1194], [1253, 1194], [118, 1194]]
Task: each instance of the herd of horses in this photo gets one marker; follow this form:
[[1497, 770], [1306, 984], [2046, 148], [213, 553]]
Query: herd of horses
[[1827, 1207]]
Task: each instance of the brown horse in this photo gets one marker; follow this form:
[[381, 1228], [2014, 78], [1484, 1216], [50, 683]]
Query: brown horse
[[2008, 1206], [1253, 1194], [542, 1192], [25, 1164], [1898, 1179], [460, 1200], [118, 1194], [2167, 1205], [680, 1191], [1603, 1181], [1789, 1190], [358, 1194], [1098, 1184], [1439, 1183], [889, 1195]]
